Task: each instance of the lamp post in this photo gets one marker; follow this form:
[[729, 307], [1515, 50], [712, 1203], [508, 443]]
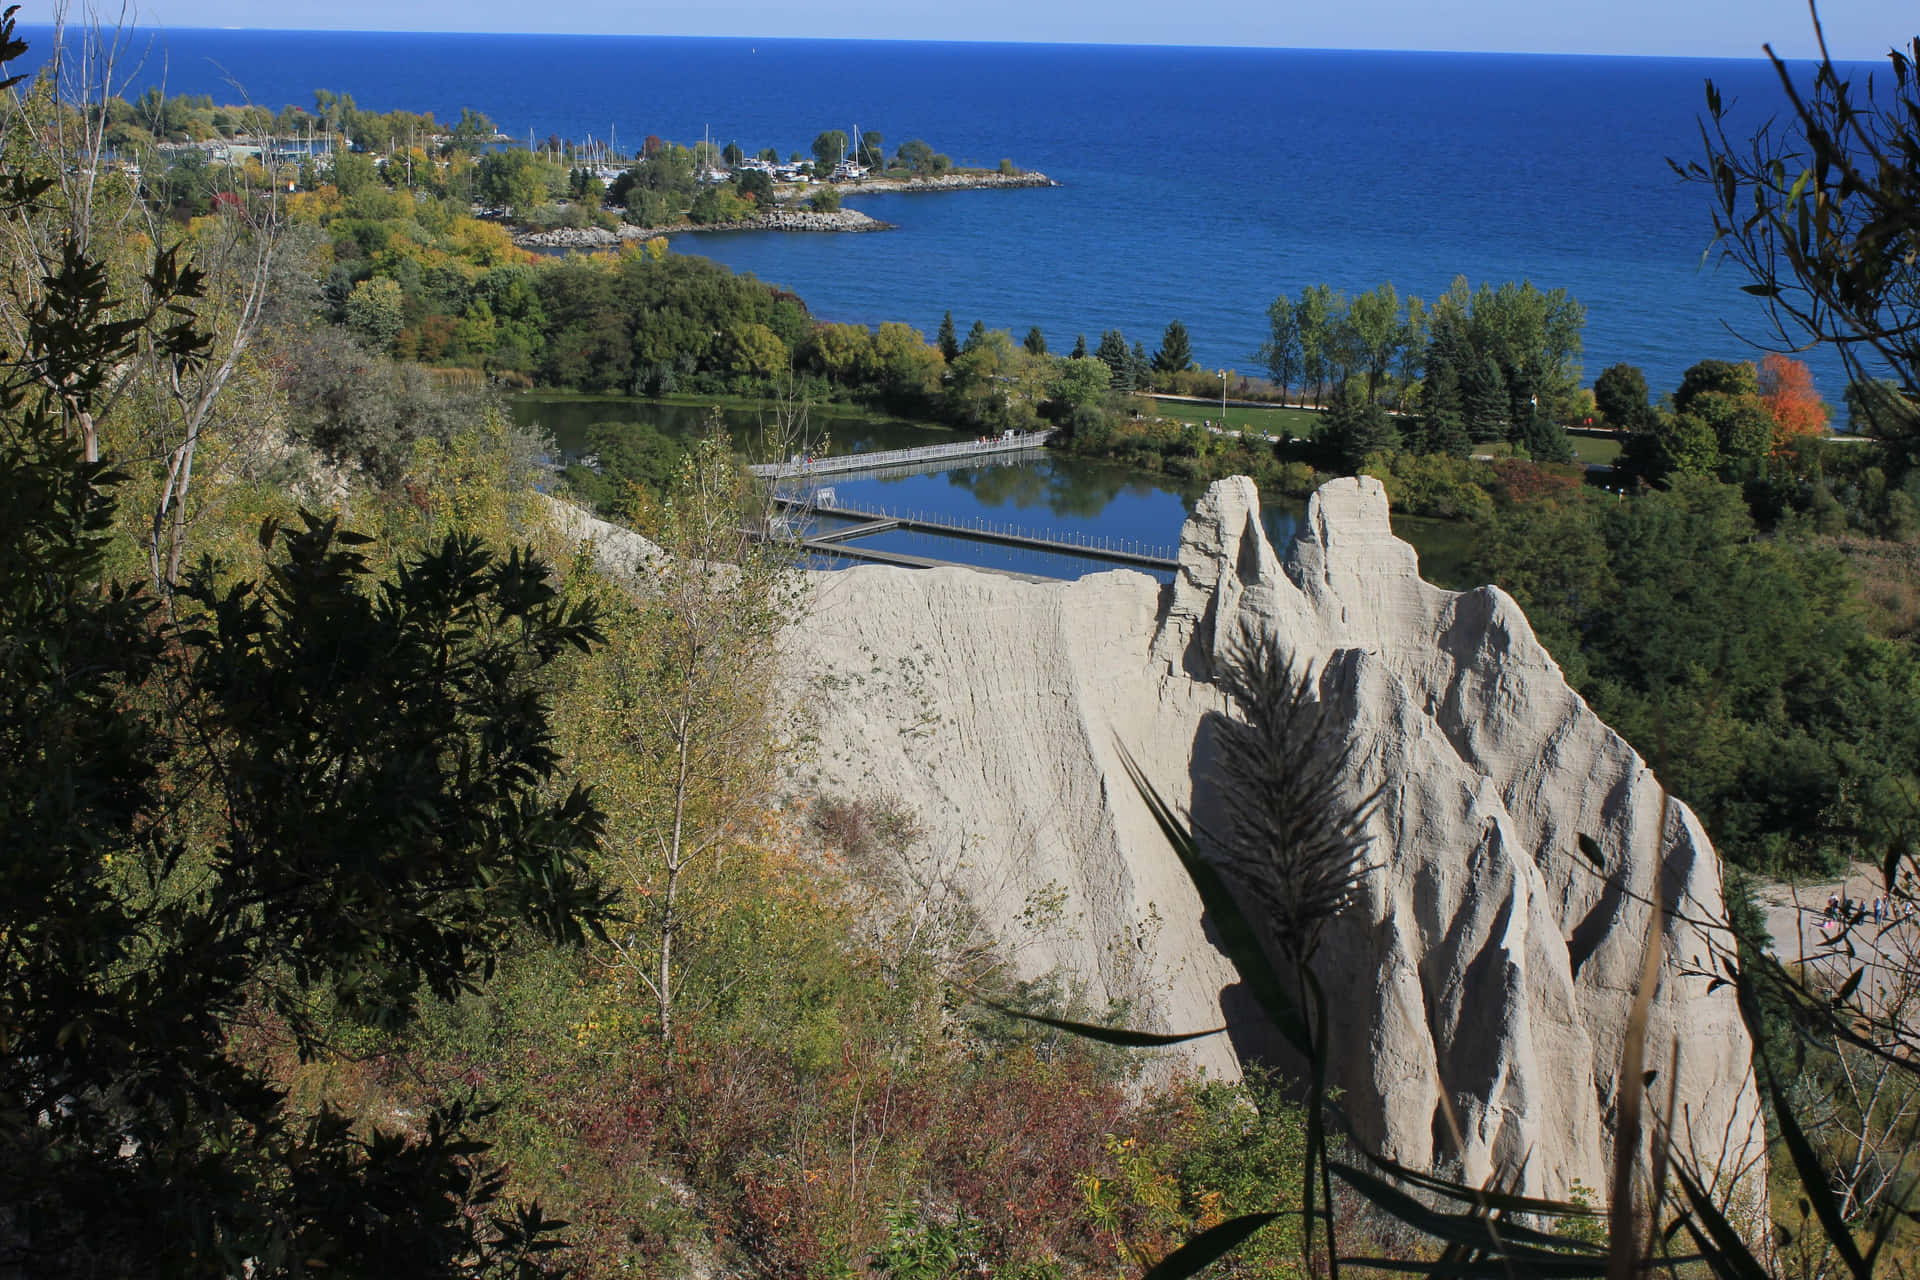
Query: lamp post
[[1223, 398]]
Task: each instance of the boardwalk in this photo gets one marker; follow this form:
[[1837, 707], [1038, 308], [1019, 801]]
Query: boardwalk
[[841, 464], [1104, 550], [901, 560]]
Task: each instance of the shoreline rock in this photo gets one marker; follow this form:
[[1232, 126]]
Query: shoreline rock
[[945, 182], [590, 239]]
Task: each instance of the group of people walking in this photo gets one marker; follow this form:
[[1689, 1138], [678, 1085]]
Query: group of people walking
[[1884, 910]]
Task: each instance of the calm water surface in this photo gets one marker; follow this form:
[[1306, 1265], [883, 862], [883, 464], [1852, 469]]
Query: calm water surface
[[1198, 183], [1045, 495]]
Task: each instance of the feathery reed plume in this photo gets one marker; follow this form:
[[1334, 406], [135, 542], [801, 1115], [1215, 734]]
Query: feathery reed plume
[[1293, 837]]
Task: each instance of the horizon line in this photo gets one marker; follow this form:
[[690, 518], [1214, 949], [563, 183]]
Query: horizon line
[[1761, 57]]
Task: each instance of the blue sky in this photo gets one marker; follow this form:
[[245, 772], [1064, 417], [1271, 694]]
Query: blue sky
[[1725, 28]]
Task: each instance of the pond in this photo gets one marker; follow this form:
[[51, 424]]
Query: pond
[[1041, 494]]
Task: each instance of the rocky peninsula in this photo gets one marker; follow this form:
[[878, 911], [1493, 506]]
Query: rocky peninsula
[[969, 180], [589, 239]]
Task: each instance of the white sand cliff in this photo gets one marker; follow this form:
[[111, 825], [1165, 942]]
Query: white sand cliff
[[1488, 964]]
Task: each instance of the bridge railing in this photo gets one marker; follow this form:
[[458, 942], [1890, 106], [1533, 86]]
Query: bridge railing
[[1063, 541], [894, 457]]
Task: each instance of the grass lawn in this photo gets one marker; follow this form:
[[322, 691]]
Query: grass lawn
[[1275, 421], [1587, 450], [1591, 449]]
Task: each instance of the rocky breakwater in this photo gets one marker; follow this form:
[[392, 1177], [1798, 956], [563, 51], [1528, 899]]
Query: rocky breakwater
[[1485, 975], [969, 181], [591, 239]]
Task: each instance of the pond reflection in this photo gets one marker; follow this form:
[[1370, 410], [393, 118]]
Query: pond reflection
[[1041, 494]]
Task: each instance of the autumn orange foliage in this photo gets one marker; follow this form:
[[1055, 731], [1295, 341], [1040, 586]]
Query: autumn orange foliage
[[1786, 386]]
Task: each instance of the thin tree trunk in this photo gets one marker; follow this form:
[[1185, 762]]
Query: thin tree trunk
[[669, 922]]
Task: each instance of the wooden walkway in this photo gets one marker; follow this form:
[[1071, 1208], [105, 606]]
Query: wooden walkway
[[844, 463], [1103, 550], [903, 561]]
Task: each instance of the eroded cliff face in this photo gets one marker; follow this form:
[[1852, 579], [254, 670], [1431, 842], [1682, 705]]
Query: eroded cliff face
[[1484, 978]]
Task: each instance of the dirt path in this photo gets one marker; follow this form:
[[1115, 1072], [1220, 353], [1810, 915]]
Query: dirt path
[[1802, 931]]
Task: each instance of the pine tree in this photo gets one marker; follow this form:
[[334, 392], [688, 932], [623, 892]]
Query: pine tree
[[1112, 352], [1036, 342], [975, 337], [1079, 347], [1442, 427], [1484, 401], [1176, 351], [948, 341], [1354, 429], [1139, 366], [1544, 440]]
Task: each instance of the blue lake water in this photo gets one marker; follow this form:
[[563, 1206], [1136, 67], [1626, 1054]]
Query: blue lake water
[[1199, 182], [1043, 495]]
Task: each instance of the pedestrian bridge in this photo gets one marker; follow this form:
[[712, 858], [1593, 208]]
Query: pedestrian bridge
[[846, 463], [1117, 551]]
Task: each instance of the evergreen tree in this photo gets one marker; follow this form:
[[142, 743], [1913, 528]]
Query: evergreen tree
[[1484, 401], [1353, 428], [1140, 367], [1442, 421], [1112, 352], [948, 341], [1544, 440], [1176, 351], [1036, 342], [975, 336], [1523, 400], [1079, 347]]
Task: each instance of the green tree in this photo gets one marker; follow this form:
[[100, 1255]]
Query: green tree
[[975, 336], [1544, 439], [1877, 408], [1080, 380], [1176, 351], [1280, 353], [872, 150], [1036, 343], [685, 714], [910, 370], [1079, 347], [1374, 318], [1315, 315], [1355, 429], [1620, 393], [947, 340], [375, 311], [829, 149], [756, 184], [1443, 426], [843, 352], [755, 351], [1412, 344], [632, 462], [317, 796], [1740, 423], [1676, 444], [1139, 366], [916, 156], [1732, 658], [1113, 353], [1726, 377], [514, 179]]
